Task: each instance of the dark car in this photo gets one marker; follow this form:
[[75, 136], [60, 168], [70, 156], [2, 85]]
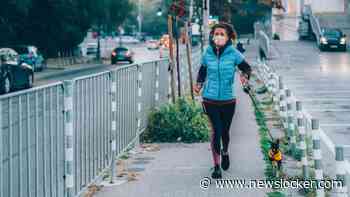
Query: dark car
[[332, 39], [14, 75], [120, 54], [31, 56]]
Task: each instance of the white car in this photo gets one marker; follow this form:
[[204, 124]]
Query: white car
[[128, 40], [10, 55], [89, 50]]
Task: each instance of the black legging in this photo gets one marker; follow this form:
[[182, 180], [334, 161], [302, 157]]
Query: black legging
[[220, 116]]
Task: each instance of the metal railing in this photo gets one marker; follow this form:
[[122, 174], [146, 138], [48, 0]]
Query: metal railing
[[304, 133], [56, 139], [32, 142], [314, 23], [184, 74], [263, 39]]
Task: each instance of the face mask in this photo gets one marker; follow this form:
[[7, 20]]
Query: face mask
[[219, 40]]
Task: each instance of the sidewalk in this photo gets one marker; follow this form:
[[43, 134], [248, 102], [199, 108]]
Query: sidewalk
[[176, 169]]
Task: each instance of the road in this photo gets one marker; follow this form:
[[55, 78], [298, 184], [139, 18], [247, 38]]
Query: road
[[320, 79], [142, 54]]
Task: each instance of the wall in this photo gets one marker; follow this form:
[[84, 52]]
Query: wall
[[318, 6]]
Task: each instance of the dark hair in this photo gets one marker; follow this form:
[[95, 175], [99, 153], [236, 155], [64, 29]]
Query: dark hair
[[231, 33]]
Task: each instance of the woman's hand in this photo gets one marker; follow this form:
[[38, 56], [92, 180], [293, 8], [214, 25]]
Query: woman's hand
[[245, 83], [244, 79], [197, 88]]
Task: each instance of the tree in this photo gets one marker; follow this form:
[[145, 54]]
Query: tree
[[241, 13], [53, 25]]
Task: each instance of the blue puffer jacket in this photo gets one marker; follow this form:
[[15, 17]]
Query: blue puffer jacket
[[221, 73]]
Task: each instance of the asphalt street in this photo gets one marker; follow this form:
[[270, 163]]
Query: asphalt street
[[320, 79], [142, 54]]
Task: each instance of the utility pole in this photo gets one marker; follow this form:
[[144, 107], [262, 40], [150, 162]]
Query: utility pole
[[191, 12], [171, 62], [189, 61], [188, 27], [177, 56], [206, 10], [139, 17]]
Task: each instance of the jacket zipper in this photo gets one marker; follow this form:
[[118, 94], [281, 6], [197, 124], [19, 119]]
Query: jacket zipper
[[219, 72]]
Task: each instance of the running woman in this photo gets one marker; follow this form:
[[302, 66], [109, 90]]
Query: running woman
[[217, 77]]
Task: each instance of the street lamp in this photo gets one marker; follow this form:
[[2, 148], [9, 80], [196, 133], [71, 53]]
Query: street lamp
[[139, 17], [159, 12]]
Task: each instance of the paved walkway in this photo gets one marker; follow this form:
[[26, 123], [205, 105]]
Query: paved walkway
[[176, 169]]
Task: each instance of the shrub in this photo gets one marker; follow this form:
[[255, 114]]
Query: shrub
[[183, 121]]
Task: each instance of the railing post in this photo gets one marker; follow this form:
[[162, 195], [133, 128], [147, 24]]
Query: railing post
[[74, 56], [71, 57], [283, 107], [263, 71], [69, 137], [317, 155], [113, 141], [64, 58], [139, 105], [266, 72], [270, 83], [156, 96], [275, 93], [290, 123], [60, 63], [302, 143], [340, 171], [282, 103]]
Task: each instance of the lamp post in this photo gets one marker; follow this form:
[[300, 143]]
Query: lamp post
[[139, 17], [206, 14], [159, 12]]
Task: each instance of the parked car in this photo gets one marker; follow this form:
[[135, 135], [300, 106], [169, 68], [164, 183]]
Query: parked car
[[127, 39], [122, 54], [332, 39], [14, 74], [152, 44], [91, 50], [30, 55]]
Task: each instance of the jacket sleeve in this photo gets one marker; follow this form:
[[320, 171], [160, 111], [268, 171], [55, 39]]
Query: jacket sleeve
[[245, 68], [202, 74]]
